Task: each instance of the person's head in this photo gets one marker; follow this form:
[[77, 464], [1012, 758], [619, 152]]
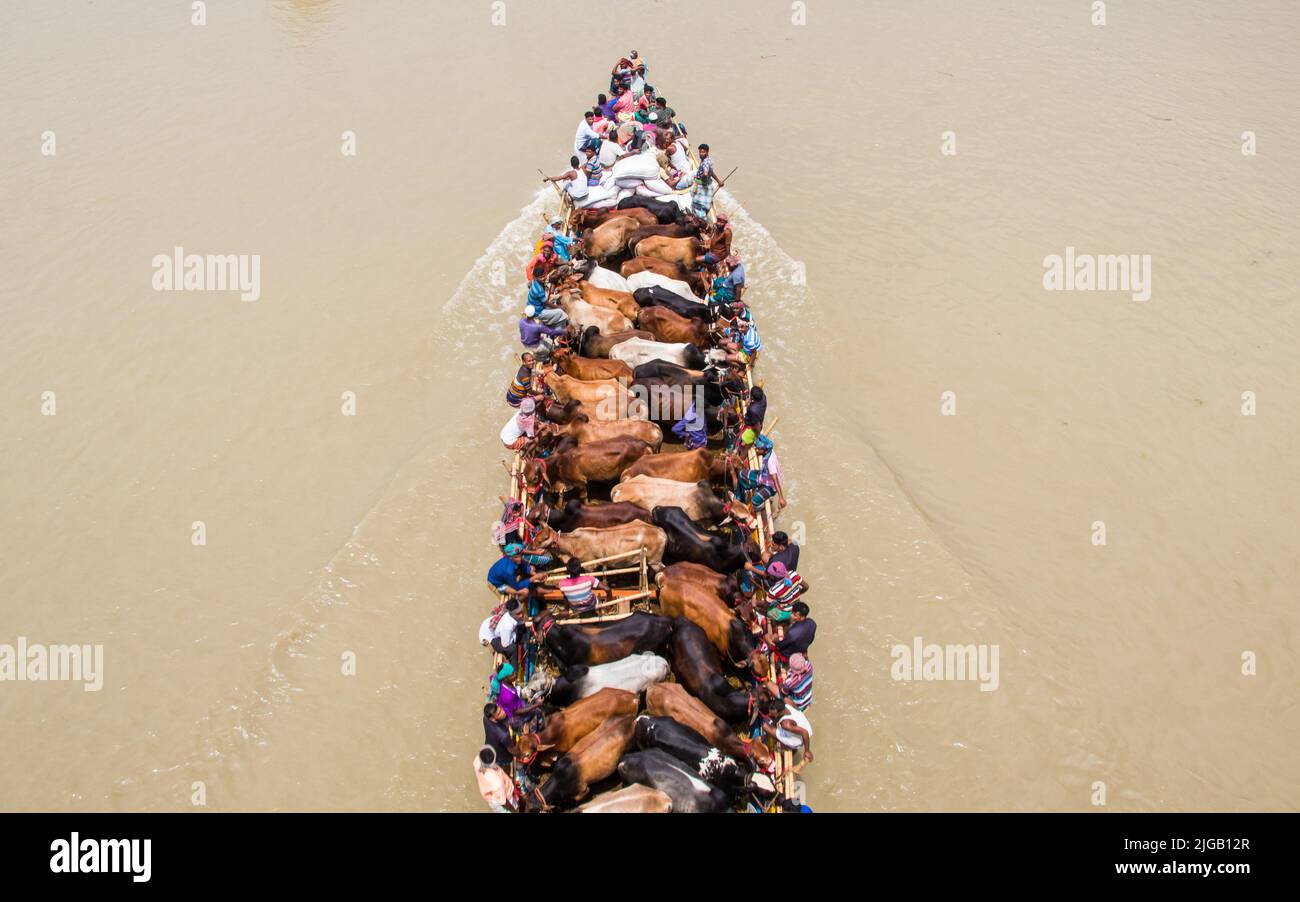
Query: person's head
[[798, 664], [574, 567], [512, 606], [771, 707], [506, 674], [530, 311], [661, 102], [487, 756], [703, 151], [590, 152], [492, 711], [601, 100], [527, 406], [723, 221], [633, 57], [548, 249], [777, 570], [779, 538], [573, 161], [799, 610], [589, 116], [514, 550], [528, 359]]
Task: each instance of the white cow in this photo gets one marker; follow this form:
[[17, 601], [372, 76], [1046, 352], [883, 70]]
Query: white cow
[[635, 673], [636, 351], [608, 279], [649, 279]]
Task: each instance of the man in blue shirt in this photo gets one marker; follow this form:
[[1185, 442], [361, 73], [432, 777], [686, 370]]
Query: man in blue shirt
[[511, 575]]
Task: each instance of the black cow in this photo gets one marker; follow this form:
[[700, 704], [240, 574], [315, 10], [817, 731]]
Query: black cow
[[665, 211], [691, 749], [689, 793], [601, 643], [695, 663], [686, 542], [658, 296]]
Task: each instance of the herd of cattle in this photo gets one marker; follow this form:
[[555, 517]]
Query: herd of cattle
[[662, 700]]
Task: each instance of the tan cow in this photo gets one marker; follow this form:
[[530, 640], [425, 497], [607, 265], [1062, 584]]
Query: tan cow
[[609, 238], [588, 368], [602, 399], [695, 498], [622, 301], [634, 799], [585, 431], [582, 315], [671, 327], [589, 544], [686, 466], [672, 700], [574, 467], [683, 251]]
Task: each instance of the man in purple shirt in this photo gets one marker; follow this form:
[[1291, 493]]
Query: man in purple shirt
[[531, 331]]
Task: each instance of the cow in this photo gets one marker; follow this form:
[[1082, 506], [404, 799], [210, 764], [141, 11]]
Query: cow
[[622, 301], [636, 351], [582, 315], [682, 598], [669, 326], [693, 750], [602, 643], [588, 544], [652, 368], [685, 251], [589, 369], [665, 212], [608, 238], [589, 219], [660, 770], [695, 498], [576, 515], [593, 759], [634, 799], [686, 466], [635, 673], [652, 278], [675, 271], [565, 727], [725, 587], [584, 430], [654, 296], [695, 663], [672, 700], [673, 230], [575, 467], [687, 542], [603, 399], [590, 343]]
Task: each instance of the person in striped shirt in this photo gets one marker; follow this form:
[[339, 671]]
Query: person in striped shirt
[[579, 588], [798, 682]]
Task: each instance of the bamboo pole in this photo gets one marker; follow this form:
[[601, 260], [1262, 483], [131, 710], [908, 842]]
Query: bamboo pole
[[601, 560]]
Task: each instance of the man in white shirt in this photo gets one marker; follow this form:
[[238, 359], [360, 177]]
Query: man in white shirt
[[585, 132], [501, 637]]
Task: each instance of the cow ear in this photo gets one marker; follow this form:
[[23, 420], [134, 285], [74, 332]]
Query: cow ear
[[544, 747]]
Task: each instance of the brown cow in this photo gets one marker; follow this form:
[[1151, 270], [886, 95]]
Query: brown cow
[[683, 598], [592, 344], [593, 759], [564, 728], [672, 327], [589, 368], [589, 544], [576, 515], [684, 251], [672, 700], [673, 230], [602, 399], [589, 219], [573, 467], [685, 466], [582, 428], [725, 587], [664, 268], [622, 301], [608, 238]]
